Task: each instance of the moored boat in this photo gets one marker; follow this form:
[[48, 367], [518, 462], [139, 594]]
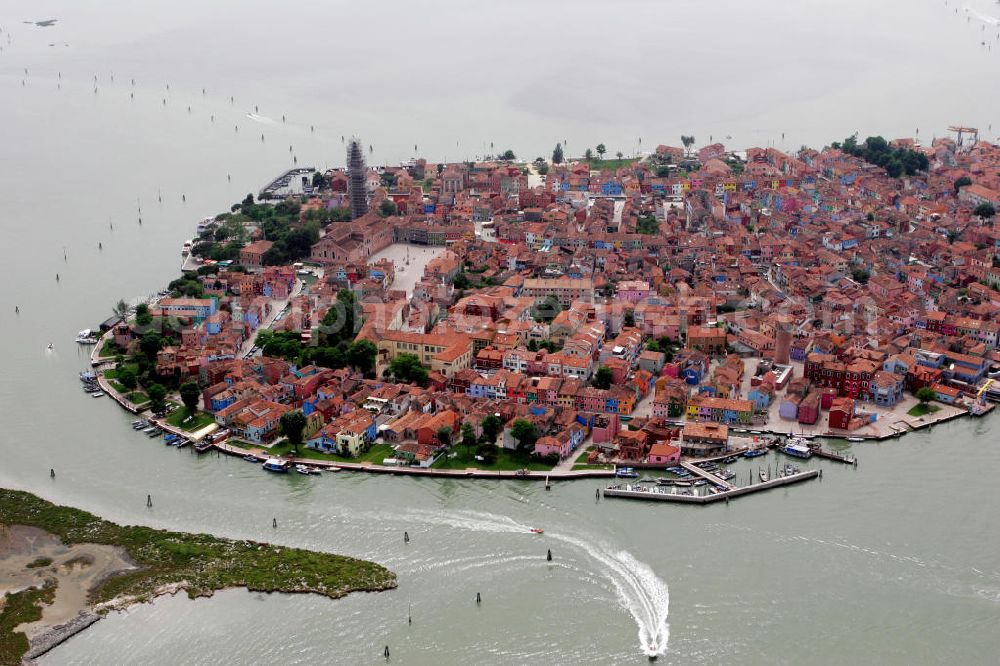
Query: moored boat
[[797, 450], [764, 475], [626, 473], [276, 465], [753, 453]]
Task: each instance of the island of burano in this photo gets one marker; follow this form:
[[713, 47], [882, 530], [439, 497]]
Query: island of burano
[[563, 351]]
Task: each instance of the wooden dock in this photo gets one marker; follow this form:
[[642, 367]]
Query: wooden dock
[[644, 492], [830, 455], [708, 476]]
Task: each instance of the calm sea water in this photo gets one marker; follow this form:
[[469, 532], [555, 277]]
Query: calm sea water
[[895, 562]]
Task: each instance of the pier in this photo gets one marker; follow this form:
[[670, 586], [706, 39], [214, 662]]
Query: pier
[[708, 476], [645, 492]]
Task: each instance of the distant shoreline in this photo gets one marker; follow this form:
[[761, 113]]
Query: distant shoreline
[[64, 569]]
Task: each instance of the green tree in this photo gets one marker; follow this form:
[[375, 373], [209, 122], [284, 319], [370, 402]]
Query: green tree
[[387, 208], [444, 436], [588, 154], [142, 316], [647, 224], [292, 425], [510, 156], [547, 309], [407, 368], [688, 141], [601, 149], [468, 437], [491, 425], [157, 397], [150, 343], [127, 378], [629, 319], [361, 355], [462, 281], [189, 396], [120, 309], [962, 182], [488, 452], [342, 321], [984, 210], [603, 378], [525, 433], [619, 154], [557, 154], [925, 394], [860, 275]]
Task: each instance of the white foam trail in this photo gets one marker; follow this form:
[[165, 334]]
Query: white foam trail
[[979, 16], [640, 591], [263, 120]]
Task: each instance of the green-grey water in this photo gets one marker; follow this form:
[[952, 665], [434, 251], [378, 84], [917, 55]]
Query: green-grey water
[[894, 562]]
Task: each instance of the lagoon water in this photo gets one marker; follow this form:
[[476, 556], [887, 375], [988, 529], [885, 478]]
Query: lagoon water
[[895, 562]]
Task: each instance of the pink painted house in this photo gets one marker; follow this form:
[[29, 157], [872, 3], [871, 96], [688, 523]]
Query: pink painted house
[[632, 291], [664, 453]]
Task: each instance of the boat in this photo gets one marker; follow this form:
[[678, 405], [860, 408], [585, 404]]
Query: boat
[[155, 433], [764, 475], [536, 530], [797, 450], [276, 465], [86, 337], [51, 347], [663, 481], [202, 446], [333, 468], [626, 473], [140, 425], [683, 484], [181, 442], [302, 469], [753, 453], [97, 394], [729, 460], [88, 376], [251, 457], [701, 482], [855, 439]]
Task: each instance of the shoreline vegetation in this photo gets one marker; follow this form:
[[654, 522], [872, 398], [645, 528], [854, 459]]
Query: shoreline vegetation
[[162, 562]]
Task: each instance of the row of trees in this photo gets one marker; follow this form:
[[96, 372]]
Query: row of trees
[[876, 150]]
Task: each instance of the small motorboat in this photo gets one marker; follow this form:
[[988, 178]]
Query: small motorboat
[[250, 457], [535, 530], [764, 475], [88, 376], [97, 394], [303, 470], [86, 337], [855, 439], [701, 482], [730, 460], [753, 453], [333, 468], [683, 484], [50, 347]]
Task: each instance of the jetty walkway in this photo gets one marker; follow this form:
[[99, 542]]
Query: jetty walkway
[[646, 492]]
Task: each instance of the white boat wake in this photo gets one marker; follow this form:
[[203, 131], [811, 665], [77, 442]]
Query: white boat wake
[[263, 120], [640, 591]]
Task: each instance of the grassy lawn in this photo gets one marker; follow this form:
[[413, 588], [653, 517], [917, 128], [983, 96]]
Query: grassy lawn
[[505, 462], [199, 421], [376, 454], [112, 373], [137, 397], [109, 349], [609, 164], [584, 466], [206, 563], [922, 409]]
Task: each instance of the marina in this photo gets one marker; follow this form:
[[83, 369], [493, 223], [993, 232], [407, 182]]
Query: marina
[[645, 492]]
